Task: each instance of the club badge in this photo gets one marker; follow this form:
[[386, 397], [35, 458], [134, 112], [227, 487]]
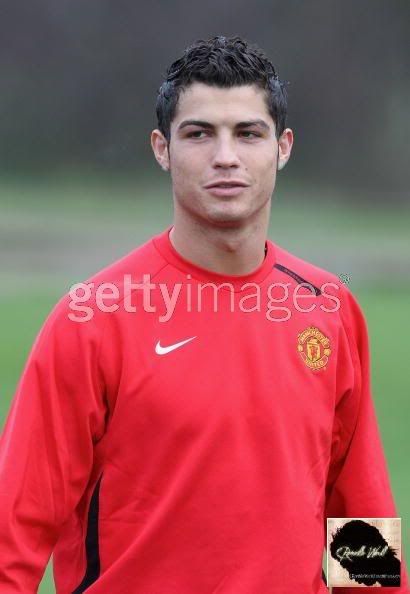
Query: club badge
[[314, 348]]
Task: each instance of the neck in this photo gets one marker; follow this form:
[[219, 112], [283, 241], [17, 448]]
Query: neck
[[225, 250]]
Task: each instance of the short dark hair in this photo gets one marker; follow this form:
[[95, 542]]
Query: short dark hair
[[221, 62]]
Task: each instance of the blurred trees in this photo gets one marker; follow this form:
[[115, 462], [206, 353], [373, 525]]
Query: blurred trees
[[78, 82]]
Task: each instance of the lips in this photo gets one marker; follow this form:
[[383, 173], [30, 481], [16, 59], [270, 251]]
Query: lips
[[226, 189], [227, 184]]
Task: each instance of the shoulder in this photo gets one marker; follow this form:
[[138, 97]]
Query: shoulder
[[302, 270], [326, 285], [81, 310]]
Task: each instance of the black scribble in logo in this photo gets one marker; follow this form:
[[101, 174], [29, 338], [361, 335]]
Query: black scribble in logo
[[364, 553]]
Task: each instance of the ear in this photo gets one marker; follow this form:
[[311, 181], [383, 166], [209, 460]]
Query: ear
[[285, 144], [160, 147]]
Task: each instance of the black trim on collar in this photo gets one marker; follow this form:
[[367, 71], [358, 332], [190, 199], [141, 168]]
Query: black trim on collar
[[297, 278]]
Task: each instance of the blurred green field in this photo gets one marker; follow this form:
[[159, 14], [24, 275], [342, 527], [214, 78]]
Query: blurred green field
[[58, 233]]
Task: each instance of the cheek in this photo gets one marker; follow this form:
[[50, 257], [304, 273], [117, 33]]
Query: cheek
[[264, 172], [187, 167], [180, 172], [185, 178], [262, 163]]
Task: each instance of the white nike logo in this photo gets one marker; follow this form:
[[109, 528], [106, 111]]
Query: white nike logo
[[164, 350]]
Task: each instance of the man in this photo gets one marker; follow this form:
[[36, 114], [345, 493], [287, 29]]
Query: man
[[192, 436]]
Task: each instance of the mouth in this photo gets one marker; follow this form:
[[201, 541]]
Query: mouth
[[226, 188], [227, 184]]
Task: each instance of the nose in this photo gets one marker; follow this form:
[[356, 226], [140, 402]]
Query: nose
[[225, 155]]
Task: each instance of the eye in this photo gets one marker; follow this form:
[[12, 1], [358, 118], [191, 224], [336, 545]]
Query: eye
[[196, 134], [249, 134]]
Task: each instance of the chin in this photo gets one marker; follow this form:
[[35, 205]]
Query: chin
[[230, 211], [228, 219]]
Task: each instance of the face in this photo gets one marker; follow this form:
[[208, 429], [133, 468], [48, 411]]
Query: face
[[223, 154]]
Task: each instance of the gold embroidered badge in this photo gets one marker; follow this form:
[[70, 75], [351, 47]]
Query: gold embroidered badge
[[313, 347]]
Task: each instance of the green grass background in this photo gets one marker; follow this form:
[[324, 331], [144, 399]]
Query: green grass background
[[54, 232]]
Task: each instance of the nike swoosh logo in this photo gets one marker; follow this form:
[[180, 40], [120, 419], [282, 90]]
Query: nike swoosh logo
[[168, 349]]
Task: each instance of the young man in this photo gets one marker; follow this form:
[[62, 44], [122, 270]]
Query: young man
[[193, 435]]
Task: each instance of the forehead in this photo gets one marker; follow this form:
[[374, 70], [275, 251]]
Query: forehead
[[219, 105]]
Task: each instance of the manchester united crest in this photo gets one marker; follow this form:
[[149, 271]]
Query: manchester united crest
[[314, 348]]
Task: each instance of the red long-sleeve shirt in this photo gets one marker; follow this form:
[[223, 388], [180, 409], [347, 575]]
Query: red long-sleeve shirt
[[193, 453]]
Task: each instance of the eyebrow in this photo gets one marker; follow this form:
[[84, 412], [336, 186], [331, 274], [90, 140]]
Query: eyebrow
[[208, 125]]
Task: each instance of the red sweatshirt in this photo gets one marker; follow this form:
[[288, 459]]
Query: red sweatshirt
[[185, 438]]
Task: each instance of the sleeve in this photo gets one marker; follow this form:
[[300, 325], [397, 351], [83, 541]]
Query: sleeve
[[46, 449], [358, 482]]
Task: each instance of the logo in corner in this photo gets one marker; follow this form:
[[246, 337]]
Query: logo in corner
[[314, 348]]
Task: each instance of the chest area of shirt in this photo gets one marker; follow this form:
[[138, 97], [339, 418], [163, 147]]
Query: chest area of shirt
[[196, 368]]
